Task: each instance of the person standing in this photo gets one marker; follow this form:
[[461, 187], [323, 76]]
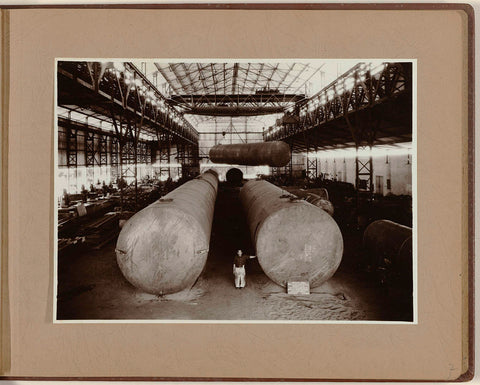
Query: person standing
[[239, 268]]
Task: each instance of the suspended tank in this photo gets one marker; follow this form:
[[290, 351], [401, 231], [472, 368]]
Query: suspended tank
[[274, 154], [384, 239]]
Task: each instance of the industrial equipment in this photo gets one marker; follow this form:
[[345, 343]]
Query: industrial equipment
[[389, 246]]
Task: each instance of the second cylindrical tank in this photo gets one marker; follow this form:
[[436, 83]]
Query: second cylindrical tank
[[387, 240], [163, 248], [275, 154], [294, 240]]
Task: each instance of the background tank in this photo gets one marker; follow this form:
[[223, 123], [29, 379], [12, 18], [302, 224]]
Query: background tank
[[163, 248], [275, 154], [234, 176], [294, 240], [384, 239]]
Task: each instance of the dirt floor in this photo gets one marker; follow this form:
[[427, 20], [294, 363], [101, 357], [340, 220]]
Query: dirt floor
[[91, 286]]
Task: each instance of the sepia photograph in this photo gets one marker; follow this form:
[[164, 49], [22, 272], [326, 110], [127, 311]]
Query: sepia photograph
[[235, 190]]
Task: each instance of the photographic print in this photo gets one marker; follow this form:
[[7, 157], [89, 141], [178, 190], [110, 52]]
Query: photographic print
[[235, 190]]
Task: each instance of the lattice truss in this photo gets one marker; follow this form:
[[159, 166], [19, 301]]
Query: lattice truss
[[193, 105], [236, 89], [349, 101]]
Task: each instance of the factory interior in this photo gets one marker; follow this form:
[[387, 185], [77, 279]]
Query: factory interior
[[165, 169]]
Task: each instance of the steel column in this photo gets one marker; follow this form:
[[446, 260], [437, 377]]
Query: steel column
[[71, 147]]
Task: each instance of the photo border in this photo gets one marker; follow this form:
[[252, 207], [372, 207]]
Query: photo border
[[350, 62]]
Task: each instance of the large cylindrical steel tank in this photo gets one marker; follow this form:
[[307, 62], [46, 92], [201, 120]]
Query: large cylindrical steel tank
[[384, 239], [163, 248], [275, 154], [294, 240]]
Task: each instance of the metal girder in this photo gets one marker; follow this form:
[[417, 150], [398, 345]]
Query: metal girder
[[174, 71], [259, 73], [311, 171], [89, 139], [311, 76], [245, 79], [260, 103], [234, 77], [142, 152], [297, 76], [188, 157], [260, 97], [164, 147], [75, 125], [114, 151], [364, 172], [124, 154], [202, 79], [287, 72], [188, 75], [214, 77], [170, 83], [274, 69], [115, 93], [224, 79], [243, 133], [342, 113], [165, 160]]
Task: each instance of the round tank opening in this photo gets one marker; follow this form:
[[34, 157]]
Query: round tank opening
[[234, 176]]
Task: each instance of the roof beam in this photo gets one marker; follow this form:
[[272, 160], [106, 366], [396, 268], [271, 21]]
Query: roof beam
[[245, 79], [174, 71], [167, 79], [202, 79], [296, 77], [311, 76], [235, 110], [271, 75], [214, 79], [234, 78], [188, 74], [258, 75], [286, 74], [273, 97], [224, 79]]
